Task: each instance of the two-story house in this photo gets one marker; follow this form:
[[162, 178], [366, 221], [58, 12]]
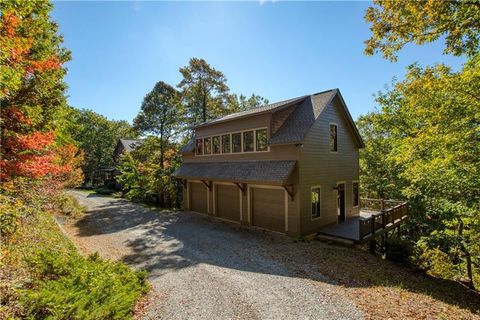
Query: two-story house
[[290, 166]]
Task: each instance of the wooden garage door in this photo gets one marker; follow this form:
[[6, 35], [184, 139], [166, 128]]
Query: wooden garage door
[[228, 202], [198, 197], [268, 209]]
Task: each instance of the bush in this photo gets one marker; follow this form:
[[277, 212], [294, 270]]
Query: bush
[[11, 211], [398, 250], [72, 287], [68, 205]]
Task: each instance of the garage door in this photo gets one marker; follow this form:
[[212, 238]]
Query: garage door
[[268, 209], [228, 202], [198, 197]]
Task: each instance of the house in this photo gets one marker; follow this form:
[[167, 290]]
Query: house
[[291, 166], [125, 145]]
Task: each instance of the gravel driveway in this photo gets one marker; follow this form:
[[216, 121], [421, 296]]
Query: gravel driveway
[[201, 268]]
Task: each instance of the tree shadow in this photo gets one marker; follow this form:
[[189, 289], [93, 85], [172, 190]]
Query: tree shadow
[[169, 241]]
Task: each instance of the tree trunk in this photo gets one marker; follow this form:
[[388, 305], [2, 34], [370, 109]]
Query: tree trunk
[[466, 255]]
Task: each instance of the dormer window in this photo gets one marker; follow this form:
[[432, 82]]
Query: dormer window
[[226, 148], [207, 145], [248, 141], [199, 147], [216, 144], [236, 142], [261, 140], [333, 138]]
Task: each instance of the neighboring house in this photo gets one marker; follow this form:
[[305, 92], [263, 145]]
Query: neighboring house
[[290, 166], [125, 145]]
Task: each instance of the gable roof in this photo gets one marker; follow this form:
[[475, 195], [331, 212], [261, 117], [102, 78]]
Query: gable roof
[[256, 111], [130, 144], [307, 109]]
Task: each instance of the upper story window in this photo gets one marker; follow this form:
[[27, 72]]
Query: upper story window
[[248, 141], [261, 140], [254, 140], [199, 147], [315, 195], [226, 143], [236, 142], [355, 194], [216, 144], [333, 138], [207, 145]]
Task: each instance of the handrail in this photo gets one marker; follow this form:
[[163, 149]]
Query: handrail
[[379, 221]]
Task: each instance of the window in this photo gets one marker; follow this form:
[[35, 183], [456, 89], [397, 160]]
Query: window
[[226, 143], [355, 197], [216, 144], [333, 137], [199, 148], [207, 145], [261, 140], [236, 142], [248, 141], [315, 199]]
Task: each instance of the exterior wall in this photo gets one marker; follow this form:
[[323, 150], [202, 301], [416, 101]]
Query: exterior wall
[[286, 152], [320, 167]]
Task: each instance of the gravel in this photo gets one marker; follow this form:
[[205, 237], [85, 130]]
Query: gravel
[[202, 268]]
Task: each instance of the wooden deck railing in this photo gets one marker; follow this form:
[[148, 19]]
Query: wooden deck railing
[[392, 214], [377, 204]]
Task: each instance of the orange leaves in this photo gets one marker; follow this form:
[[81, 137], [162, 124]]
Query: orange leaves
[[9, 23]]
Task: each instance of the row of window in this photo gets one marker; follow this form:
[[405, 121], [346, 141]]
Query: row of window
[[316, 195], [246, 141]]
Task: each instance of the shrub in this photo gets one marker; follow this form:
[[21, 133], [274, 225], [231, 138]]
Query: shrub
[[72, 287], [398, 250], [11, 211], [68, 205]]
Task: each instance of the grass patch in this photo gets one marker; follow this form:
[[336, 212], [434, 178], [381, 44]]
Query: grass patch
[[42, 276]]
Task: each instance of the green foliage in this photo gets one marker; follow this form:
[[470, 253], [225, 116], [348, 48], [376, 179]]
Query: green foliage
[[204, 91], [398, 249], [242, 103], [396, 23], [74, 287], [144, 179], [425, 140], [11, 210], [97, 137], [44, 277]]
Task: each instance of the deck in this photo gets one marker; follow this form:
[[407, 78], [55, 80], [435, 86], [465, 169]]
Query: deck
[[369, 223]]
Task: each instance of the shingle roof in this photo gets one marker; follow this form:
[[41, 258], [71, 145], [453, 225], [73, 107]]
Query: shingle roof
[[302, 118], [131, 144], [189, 147], [276, 172], [241, 114]]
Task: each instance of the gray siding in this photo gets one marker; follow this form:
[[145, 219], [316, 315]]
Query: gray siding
[[319, 166]]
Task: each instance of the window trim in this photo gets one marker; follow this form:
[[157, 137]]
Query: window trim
[[210, 153], [358, 182], [219, 144], [312, 218], [230, 133], [196, 150], [329, 136]]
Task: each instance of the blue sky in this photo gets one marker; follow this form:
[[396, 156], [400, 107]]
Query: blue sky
[[277, 50]]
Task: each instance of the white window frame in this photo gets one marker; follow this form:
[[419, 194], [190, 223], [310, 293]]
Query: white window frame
[[230, 133], [336, 125], [312, 218]]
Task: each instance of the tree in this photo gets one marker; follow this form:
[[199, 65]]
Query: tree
[[145, 179], [97, 137], [396, 23], [430, 123], [241, 103], [160, 115], [32, 92], [204, 91]]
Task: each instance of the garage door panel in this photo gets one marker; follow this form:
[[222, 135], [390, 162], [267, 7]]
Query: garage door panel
[[268, 209], [198, 197], [228, 202]]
